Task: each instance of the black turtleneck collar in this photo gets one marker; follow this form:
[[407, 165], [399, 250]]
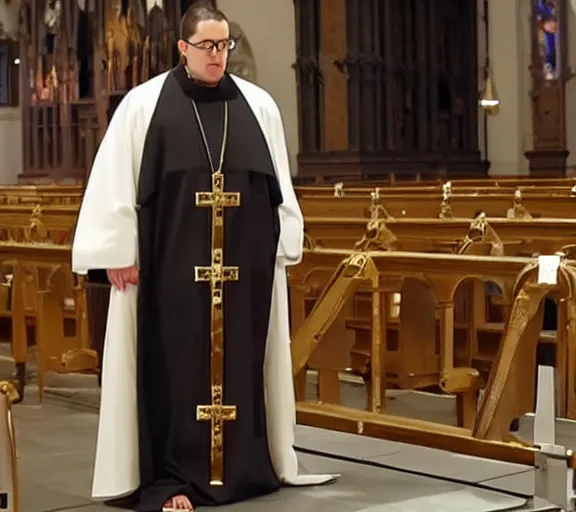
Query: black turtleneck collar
[[226, 90]]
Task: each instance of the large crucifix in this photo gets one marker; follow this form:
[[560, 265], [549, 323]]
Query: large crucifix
[[216, 274]]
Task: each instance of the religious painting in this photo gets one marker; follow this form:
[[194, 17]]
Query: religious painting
[[548, 37]]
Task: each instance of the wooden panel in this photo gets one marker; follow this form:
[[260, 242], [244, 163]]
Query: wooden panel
[[548, 106], [398, 102], [333, 49]]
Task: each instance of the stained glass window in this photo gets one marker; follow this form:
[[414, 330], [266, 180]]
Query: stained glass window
[[547, 33]]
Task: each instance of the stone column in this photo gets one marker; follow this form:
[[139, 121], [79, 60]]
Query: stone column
[[509, 132]]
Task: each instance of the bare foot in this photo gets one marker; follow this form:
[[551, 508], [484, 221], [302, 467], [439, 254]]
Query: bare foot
[[178, 504]]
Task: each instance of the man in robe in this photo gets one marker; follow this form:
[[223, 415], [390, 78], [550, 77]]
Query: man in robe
[[147, 219]]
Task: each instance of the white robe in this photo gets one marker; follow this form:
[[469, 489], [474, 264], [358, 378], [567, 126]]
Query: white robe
[[106, 237]]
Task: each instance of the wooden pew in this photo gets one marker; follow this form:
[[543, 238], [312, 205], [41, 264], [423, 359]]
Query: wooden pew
[[40, 291], [514, 366], [393, 182], [475, 330], [34, 223], [55, 209], [399, 274], [450, 188], [41, 194], [477, 314], [519, 205], [515, 236], [59, 297]]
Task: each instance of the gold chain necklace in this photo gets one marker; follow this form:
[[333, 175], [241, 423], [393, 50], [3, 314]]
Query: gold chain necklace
[[205, 140], [224, 138]]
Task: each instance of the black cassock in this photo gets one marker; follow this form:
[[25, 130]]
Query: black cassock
[[174, 310]]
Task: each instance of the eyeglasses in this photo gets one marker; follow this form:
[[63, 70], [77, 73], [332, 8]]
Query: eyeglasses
[[209, 44]]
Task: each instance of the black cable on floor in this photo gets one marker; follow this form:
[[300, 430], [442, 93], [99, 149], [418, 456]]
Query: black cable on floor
[[380, 465]]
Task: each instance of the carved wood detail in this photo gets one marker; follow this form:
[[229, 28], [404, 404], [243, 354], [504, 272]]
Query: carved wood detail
[[409, 76], [76, 65]]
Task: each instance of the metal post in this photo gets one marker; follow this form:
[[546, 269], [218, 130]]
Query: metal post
[[553, 477]]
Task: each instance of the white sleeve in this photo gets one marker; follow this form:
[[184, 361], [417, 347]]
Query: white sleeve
[[106, 235], [291, 219]]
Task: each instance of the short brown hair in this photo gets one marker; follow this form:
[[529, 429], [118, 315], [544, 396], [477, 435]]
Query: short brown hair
[[203, 10]]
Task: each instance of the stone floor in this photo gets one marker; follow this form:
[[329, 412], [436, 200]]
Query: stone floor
[[56, 446]]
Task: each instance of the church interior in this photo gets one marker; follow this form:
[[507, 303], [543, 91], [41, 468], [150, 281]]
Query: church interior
[[433, 313]]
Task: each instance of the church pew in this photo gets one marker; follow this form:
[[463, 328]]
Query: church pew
[[41, 194], [517, 236], [26, 230], [58, 297], [48, 214], [36, 223], [478, 315], [308, 279], [511, 180], [473, 338], [493, 181], [442, 274], [32, 224], [434, 205], [341, 189]]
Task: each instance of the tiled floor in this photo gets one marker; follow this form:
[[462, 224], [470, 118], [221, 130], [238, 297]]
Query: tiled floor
[[56, 445]]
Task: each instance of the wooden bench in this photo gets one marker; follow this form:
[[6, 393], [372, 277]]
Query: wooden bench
[[57, 308], [473, 309], [41, 194], [44, 303], [393, 182], [332, 276], [401, 273], [449, 188], [435, 205], [513, 236]]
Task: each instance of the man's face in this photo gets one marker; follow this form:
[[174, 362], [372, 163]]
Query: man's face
[[207, 50]]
